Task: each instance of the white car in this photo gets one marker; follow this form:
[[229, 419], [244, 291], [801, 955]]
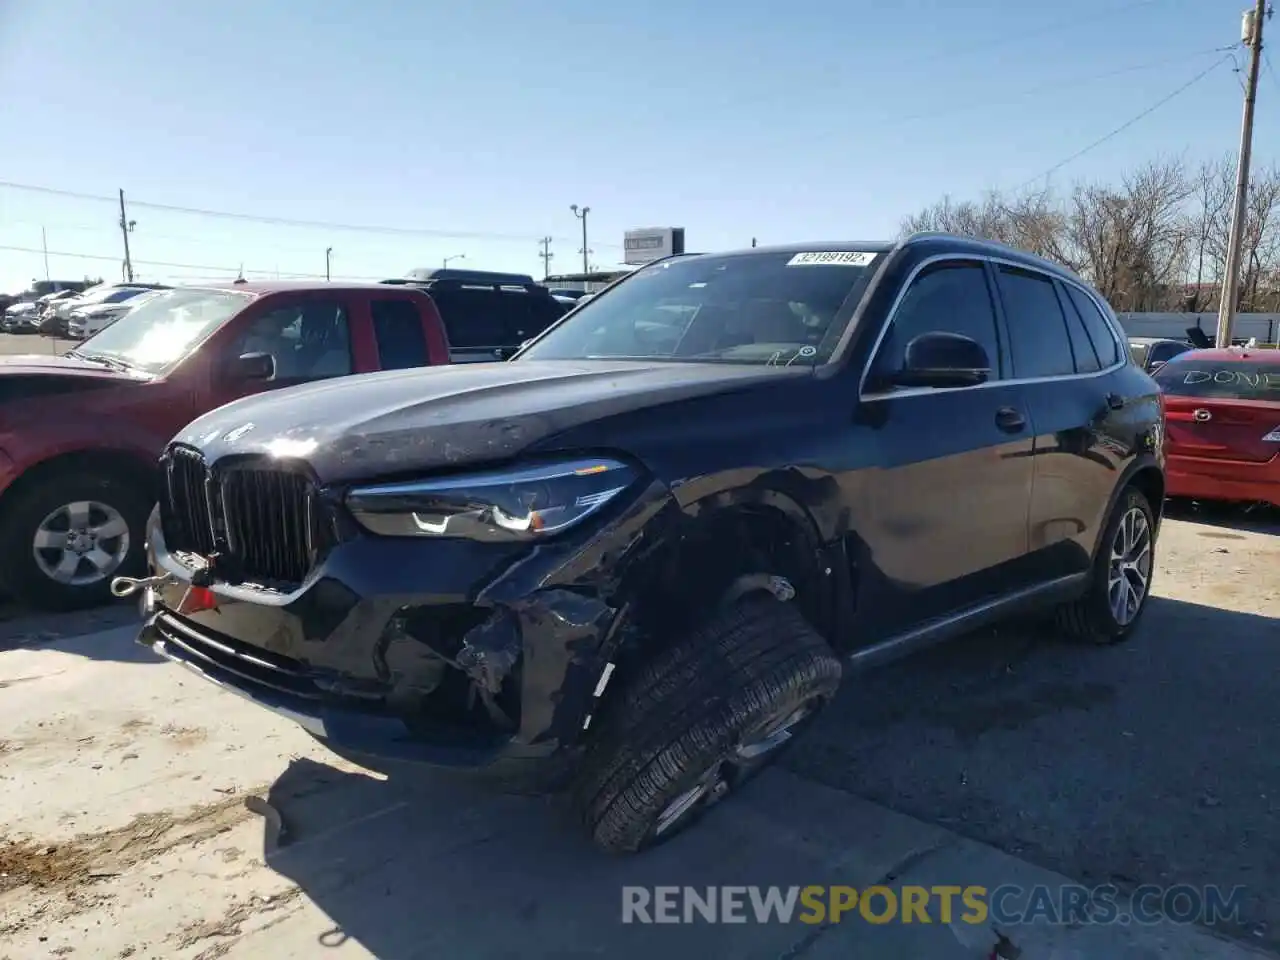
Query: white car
[[86, 322]]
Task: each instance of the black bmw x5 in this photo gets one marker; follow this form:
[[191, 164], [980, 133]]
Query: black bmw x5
[[636, 560]]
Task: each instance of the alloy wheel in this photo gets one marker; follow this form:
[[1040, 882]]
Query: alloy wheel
[[81, 543], [1129, 574], [747, 757]]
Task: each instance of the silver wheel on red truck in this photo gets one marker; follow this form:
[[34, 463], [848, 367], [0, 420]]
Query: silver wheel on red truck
[[699, 720], [64, 538]]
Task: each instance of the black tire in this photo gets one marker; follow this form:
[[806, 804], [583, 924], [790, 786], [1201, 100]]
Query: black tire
[[1091, 619], [22, 577], [685, 714]]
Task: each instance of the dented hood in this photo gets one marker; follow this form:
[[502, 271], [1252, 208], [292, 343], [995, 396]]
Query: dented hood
[[354, 428]]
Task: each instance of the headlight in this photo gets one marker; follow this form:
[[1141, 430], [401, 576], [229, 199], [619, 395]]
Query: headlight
[[522, 503]]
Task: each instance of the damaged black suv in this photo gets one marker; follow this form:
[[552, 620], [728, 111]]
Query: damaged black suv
[[635, 560]]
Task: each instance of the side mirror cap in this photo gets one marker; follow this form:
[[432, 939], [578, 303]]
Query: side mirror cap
[[252, 367], [941, 359]]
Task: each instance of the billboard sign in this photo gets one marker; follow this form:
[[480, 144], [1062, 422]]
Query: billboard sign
[[647, 244]]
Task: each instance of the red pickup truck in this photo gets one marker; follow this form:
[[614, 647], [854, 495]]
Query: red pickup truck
[[80, 434]]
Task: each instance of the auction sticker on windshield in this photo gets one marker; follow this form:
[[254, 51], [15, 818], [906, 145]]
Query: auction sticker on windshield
[[834, 258]]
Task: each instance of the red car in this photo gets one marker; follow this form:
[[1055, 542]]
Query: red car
[[81, 433], [1222, 424]]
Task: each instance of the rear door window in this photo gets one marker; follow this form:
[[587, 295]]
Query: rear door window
[[1087, 360], [397, 326], [1189, 376], [1037, 326], [1104, 341]]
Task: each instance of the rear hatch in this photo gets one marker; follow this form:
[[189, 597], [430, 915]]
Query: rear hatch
[[1222, 406]]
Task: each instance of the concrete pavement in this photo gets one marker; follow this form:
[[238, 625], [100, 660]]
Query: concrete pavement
[[122, 793]]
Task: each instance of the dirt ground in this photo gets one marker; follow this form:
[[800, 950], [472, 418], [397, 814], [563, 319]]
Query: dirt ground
[[148, 814]]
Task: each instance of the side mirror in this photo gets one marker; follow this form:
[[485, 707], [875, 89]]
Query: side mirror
[[252, 367], [940, 359]]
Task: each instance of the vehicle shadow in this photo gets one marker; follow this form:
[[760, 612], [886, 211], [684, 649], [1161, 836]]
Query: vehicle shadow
[[1139, 763], [427, 865], [1142, 763], [104, 633], [1262, 518]]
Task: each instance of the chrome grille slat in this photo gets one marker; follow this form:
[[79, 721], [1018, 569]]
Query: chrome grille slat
[[262, 517], [236, 665]]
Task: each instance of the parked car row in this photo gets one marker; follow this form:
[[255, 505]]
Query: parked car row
[[75, 313]]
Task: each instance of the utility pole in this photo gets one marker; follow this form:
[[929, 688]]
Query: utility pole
[[44, 245], [581, 214], [126, 225], [328, 257], [1251, 34], [546, 256]]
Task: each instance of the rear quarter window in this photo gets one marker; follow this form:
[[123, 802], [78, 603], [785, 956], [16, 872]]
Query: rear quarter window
[[1189, 376]]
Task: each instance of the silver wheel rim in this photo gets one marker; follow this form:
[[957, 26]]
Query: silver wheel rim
[[81, 543], [751, 753], [1130, 570]]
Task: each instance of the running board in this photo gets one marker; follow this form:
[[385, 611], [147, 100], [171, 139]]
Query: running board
[[953, 625]]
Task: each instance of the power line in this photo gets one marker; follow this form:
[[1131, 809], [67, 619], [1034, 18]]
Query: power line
[[1271, 71], [1126, 125], [1055, 27], [284, 221], [169, 264], [1061, 84]]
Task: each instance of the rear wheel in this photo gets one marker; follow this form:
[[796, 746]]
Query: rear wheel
[[700, 720], [64, 539], [1120, 581]]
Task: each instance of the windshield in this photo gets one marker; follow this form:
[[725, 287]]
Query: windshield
[[1187, 376], [759, 308], [164, 328]]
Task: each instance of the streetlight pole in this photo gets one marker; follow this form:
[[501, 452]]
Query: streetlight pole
[[456, 256], [328, 257], [581, 214]]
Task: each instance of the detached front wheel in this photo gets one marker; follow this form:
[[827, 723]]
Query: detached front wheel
[[700, 720]]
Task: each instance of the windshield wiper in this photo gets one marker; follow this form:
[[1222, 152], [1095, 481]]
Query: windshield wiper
[[113, 362]]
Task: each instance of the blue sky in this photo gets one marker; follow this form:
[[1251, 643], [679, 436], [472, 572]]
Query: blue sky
[[477, 124]]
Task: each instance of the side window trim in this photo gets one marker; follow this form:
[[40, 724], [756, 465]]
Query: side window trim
[[1069, 310], [1119, 340], [992, 261]]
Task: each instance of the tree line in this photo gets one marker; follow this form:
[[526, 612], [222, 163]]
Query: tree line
[[1155, 241]]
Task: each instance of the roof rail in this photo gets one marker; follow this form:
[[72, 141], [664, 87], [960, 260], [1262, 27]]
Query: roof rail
[[438, 274]]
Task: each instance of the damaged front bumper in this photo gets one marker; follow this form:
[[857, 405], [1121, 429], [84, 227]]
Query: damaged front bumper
[[447, 653]]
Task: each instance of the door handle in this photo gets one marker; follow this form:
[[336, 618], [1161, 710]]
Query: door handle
[[1010, 420], [1115, 401]]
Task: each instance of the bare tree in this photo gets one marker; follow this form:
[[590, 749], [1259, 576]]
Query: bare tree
[[1154, 241]]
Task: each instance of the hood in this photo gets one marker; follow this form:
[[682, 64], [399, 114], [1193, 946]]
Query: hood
[[40, 364], [360, 427]]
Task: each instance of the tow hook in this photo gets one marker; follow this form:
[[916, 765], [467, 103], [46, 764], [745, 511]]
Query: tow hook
[[127, 586]]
